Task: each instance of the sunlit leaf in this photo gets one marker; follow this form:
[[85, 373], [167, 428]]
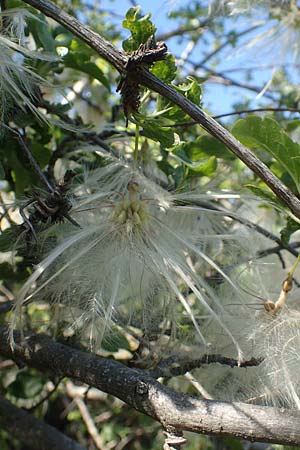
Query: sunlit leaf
[[141, 28], [266, 134]]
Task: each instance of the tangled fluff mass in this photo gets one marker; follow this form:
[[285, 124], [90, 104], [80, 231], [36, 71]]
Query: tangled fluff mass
[[142, 261]]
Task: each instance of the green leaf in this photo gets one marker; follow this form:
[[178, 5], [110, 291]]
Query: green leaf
[[115, 342], [263, 193], [206, 168], [7, 237], [266, 134], [42, 34], [81, 62], [190, 154], [200, 148], [2, 171], [194, 92], [141, 29], [26, 385], [166, 69], [153, 131], [291, 227], [191, 90], [41, 153]]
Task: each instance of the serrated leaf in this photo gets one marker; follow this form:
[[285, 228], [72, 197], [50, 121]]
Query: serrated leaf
[[258, 133], [80, 61], [166, 69], [141, 28], [291, 227]]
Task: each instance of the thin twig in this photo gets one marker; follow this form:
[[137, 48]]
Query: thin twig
[[182, 30], [236, 113], [228, 41], [173, 367], [254, 226], [253, 110], [221, 78], [90, 425]]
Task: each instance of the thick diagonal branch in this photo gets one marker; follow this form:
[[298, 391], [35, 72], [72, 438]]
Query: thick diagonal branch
[[118, 60], [145, 394], [33, 432]]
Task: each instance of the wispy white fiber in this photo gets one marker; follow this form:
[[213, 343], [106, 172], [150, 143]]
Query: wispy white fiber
[[272, 339], [18, 81], [140, 259]]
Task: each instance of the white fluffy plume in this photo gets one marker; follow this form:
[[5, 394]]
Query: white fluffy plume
[[18, 82], [271, 337], [140, 259]]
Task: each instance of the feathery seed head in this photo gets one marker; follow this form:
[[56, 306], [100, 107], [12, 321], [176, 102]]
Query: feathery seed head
[[139, 260]]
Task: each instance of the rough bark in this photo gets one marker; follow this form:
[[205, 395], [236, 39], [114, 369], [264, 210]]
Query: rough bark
[[142, 392], [34, 433]]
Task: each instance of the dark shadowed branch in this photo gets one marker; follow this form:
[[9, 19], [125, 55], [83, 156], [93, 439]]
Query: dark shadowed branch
[[174, 366], [147, 79], [36, 434], [142, 392]]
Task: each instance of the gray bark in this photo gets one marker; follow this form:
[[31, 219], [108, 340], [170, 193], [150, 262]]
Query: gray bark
[[142, 392]]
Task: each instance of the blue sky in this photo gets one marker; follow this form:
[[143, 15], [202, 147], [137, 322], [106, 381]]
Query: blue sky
[[217, 98]]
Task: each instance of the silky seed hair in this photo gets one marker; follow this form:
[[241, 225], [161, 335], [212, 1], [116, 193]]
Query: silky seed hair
[[138, 260]]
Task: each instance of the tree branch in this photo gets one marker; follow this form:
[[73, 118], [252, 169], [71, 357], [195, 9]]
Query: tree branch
[[216, 130], [221, 78], [174, 366], [147, 79], [143, 393], [253, 110], [230, 40], [33, 432]]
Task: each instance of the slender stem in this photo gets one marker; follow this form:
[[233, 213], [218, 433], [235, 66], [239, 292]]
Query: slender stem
[[233, 113], [253, 110], [229, 41], [136, 143], [34, 164]]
